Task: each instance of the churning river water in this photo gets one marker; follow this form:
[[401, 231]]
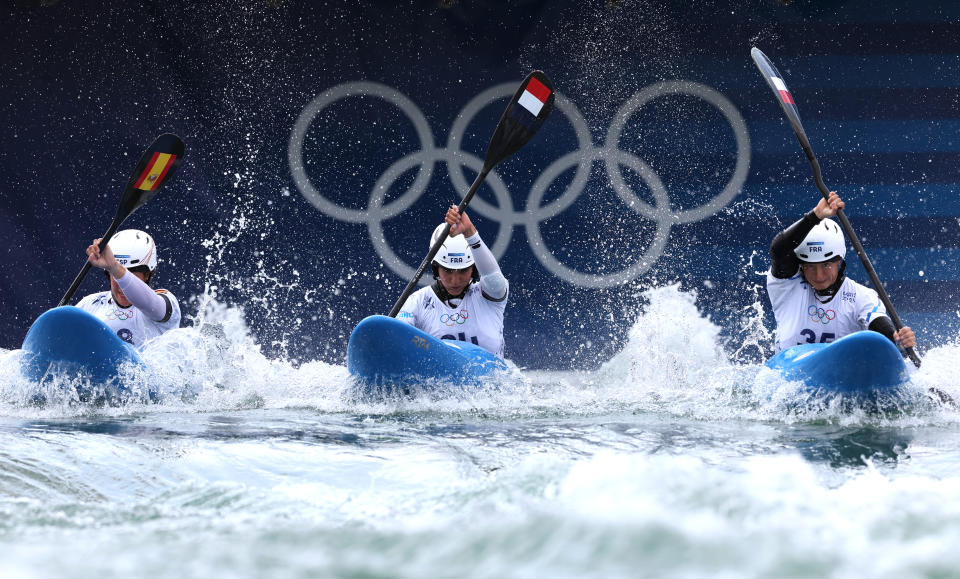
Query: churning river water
[[669, 461]]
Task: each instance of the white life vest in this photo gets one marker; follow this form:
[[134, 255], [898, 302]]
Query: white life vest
[[475, 319], [130, 324]]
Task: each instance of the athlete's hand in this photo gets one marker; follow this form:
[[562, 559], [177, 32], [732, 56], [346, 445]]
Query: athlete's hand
[[459, 222], [104, 259], [828, 207], [905, 337]]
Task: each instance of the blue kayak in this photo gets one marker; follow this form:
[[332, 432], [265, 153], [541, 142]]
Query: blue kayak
[[863, 363], [69, 342], [384, 351]]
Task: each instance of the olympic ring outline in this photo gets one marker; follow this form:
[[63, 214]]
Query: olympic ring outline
[[818, 314], [532, 215]]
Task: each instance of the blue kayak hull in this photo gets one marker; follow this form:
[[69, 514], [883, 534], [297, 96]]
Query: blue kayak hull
[[861, 363], [385, 351], [69, 342]]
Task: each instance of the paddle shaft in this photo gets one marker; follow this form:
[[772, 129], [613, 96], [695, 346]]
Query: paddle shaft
[[855, 241], [436, 246], [114, 225]]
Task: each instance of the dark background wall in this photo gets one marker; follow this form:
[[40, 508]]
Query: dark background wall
[[666, 160]]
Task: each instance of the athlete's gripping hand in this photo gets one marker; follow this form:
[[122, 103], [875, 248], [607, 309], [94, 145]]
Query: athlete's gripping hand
[[104, 259], [459, 222], [828, 207], [905, 337]]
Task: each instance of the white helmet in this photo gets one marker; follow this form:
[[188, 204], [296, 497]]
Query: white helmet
[[824, 242], [454, 253], [134, 248]]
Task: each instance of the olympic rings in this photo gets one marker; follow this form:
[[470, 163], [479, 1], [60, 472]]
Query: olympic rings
[[821, 315], [532, 214], [122, 315], [458, 318]]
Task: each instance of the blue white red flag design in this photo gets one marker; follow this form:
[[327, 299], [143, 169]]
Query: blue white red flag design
[[530, 103], [534, 96]]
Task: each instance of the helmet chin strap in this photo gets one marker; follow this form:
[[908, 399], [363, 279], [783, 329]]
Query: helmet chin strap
[[446, 296], [442, 292], [831, 291]]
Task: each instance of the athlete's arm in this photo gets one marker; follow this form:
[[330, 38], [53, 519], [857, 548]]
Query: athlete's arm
[[884, 326], [904, 337], [784, 262], [156, 307], [493, 284]]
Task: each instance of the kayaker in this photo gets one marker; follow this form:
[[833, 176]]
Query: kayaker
[[812, 299], [469, 295], [131, 308]]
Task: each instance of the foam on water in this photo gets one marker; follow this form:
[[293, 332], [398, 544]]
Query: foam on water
[[467, 506]]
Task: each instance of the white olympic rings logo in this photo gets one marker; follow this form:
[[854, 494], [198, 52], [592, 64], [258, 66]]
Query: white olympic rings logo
[[533, 214]]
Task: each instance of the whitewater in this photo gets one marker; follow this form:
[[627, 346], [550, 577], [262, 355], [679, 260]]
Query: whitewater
[[676, 458]]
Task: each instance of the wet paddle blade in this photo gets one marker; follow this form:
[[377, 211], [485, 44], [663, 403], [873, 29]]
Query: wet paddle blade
[[528, 109], [156, 166], [779, 87]]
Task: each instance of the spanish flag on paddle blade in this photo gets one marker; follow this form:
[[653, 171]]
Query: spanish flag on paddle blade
[[156, 170]]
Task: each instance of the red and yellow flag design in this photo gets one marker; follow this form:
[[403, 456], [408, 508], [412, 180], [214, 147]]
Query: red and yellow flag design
[[156, 169]]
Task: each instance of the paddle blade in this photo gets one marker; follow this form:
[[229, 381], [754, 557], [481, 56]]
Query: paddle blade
[[155, 168], [779, 88], [529, 107]]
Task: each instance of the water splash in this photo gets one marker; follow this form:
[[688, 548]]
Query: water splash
[[676, 361]]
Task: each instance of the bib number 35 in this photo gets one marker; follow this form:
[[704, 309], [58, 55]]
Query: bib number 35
[[811, 337]]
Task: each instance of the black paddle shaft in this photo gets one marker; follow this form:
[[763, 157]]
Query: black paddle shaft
[[785, 98], [527, 111]]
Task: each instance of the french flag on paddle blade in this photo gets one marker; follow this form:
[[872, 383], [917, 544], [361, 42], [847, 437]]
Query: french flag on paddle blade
[[534, 96], [531, 101], [782, 90]]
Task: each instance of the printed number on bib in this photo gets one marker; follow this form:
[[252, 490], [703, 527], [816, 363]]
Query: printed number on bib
[[461, 336], [811, 337]]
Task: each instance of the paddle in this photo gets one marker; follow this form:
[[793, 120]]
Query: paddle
[[775, 80], [155, 168], [528, 108]]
